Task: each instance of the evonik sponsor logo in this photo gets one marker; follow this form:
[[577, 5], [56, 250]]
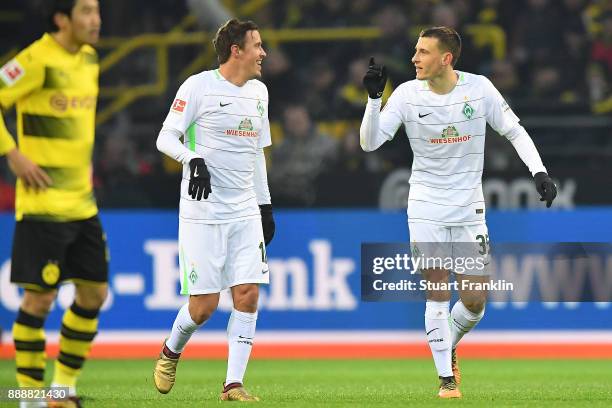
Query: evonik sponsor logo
[[61, 102]]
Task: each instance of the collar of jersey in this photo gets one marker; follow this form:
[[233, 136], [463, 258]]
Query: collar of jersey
[[223, 79], [460, 81], [47, 38]]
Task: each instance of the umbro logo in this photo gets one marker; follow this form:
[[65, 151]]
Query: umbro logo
[[221, 104], [427, 114]]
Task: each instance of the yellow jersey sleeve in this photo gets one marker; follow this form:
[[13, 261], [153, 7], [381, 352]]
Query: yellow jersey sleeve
[[7, 143], [18, 77]]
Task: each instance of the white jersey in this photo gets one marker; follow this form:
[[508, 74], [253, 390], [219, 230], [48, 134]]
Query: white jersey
[[447, 136], [226, 125]]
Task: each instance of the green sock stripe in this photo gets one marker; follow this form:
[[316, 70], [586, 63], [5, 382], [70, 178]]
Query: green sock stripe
[[26, 319], [36, 373], [38, 345], [71, 360], [69, 333]]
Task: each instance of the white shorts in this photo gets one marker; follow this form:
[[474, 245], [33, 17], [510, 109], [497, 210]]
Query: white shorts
[[214, 257], [466, 247]]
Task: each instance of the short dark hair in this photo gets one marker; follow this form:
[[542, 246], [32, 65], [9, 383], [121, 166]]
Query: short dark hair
[[58, 6], [448, 38], [231, 33]]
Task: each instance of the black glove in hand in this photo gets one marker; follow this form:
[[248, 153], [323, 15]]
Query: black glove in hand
[[546, 188], [267, 222], [375, 79], [199, 181]]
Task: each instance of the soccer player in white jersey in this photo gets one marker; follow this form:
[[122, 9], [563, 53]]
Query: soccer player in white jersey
[[445, 113], [225, 218]]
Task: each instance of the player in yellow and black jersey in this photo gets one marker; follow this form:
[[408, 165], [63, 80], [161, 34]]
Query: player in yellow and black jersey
[[58, 237]]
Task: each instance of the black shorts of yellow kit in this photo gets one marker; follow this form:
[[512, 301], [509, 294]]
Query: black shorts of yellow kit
[[47, 253]]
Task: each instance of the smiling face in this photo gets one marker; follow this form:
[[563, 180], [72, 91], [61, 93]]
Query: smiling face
[[429, 60], [251, 54]]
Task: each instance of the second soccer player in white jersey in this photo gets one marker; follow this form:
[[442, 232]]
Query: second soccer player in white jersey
[[445, 113], [225, 219]]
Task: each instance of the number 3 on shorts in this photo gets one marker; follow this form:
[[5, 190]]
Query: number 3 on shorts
[[484, 243]]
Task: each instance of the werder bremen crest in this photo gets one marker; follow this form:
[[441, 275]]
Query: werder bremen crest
[[468, 111], [193, 276], [416, 253], [450, 131], [245, 124], [260, 108]]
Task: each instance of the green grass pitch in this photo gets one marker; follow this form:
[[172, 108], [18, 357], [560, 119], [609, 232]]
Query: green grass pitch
[[348, 383]]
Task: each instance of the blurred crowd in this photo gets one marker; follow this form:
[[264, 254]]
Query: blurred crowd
[[549, 58]]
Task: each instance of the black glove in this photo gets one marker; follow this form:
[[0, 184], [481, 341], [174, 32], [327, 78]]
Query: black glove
[[375, 79], [199, 182], [546, 188], [267, 222]]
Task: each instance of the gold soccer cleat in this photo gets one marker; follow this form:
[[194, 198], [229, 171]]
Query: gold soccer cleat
[[70, 402], [236, 392], [164, 373], [455, 367], [448, 388]]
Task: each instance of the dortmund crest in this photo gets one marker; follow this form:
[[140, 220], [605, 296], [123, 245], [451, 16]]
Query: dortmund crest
[[450, 131], [468, 111], [245, 124], [51, 273], [260, 108]]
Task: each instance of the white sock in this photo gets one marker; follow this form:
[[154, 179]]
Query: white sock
[[182, 329], [438, 335], [71, 390], [32, 404], [240, 335], [462, 321]]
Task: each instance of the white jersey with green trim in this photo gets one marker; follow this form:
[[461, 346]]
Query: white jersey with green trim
[[224, 124], [447, 137]]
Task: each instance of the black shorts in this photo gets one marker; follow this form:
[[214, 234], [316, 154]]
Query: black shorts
[[48, 253]]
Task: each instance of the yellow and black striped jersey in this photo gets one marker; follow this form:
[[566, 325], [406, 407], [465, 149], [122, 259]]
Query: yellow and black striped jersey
[[56, 94]]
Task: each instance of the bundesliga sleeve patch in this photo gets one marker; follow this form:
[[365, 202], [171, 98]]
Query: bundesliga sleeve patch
[[179, 105], [11, 72]]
